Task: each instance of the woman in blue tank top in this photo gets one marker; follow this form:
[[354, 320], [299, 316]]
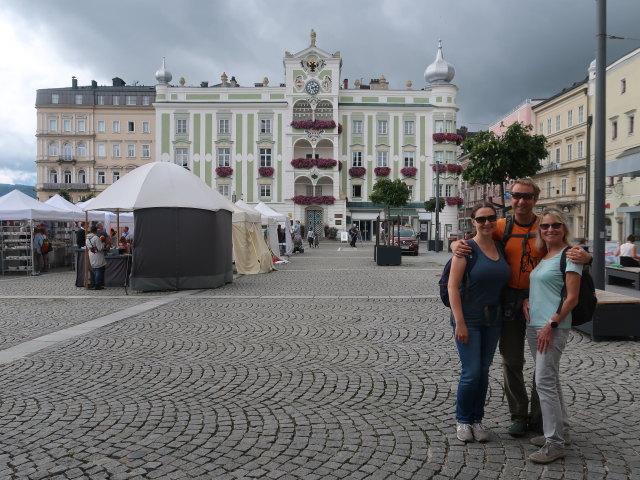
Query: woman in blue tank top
[[476, 320]]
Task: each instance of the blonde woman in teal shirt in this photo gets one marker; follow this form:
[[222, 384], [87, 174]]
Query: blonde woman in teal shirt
[[548, 331]]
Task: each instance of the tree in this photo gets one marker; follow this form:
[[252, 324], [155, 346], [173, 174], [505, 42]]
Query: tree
[[390, 194], [65, 194], [430, 205], [496, 158]]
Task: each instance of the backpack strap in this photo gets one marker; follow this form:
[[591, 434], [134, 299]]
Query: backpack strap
[[563, 269], [507, 231]]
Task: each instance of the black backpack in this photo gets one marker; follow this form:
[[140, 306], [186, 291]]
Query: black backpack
[[444, 278], [587, 300]]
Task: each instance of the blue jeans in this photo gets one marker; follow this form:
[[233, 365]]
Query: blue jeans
[[97, 278], [475, 357]]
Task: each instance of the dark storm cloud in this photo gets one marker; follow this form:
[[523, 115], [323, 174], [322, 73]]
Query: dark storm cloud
[[504, 51]]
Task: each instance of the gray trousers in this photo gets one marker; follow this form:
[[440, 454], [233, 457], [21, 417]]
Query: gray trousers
[[555, 419]]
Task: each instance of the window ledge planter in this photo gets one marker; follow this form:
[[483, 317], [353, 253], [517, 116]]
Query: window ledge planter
[[311, 125], [224, 171], [447, 137], [409, 171], [357, 171], [455, 201], [382, 171], [325, 163], [266, 171], [311, 200]]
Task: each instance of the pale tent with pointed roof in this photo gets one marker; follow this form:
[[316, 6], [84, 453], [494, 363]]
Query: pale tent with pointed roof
[[250, 251], [16, 205]]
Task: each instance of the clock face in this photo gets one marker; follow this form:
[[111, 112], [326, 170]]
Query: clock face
[[312, 87]]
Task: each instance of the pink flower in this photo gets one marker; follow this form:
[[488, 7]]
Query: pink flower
[[224, 171], [357, 171], [311, 200], [382, 171], [409, 171], [266, 171]]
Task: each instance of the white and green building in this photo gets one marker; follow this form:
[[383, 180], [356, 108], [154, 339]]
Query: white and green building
[[313, 146]]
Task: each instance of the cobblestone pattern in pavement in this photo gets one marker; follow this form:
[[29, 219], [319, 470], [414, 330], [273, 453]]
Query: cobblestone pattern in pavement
[[284, 388]]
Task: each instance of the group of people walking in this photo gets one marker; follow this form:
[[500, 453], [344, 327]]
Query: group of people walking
[[505, 287]]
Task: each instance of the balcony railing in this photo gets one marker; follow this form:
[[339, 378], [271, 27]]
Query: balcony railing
[[65, 186]]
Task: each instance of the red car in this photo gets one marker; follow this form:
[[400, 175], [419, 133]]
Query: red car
[[408, 239]]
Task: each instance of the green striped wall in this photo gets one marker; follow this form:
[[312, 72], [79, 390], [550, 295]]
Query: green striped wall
[[239, 133], [250, 183], [166, 127], [369, 135], [208, 133], [196, 133], [250, 132]]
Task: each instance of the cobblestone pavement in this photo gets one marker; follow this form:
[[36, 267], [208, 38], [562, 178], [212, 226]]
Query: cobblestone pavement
[[329, 368]]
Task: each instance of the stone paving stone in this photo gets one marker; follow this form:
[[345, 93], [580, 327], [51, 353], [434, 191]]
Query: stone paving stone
[[329, 368]]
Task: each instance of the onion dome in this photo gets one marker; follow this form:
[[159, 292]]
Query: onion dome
[[163, 75], [440, 71]]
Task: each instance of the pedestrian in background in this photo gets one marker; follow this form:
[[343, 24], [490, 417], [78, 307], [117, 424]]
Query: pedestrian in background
[[96, 259], [310, 237], [38, 260]]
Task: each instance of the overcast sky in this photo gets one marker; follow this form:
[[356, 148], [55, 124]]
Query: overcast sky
[[504, 51]]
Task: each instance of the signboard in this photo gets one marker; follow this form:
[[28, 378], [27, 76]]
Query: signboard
[[344, 237]]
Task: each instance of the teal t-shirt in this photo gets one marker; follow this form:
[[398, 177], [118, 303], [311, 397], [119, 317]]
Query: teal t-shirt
[[544, 291]]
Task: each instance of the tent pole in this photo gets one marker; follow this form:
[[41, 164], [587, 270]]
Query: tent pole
[[86, 252], [117, 228]]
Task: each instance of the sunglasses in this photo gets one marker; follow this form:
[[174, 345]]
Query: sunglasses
[[490, 218], [555, 226], [522, 196]]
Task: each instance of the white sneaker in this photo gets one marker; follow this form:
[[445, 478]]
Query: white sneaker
[[464, 433], [480, 432]]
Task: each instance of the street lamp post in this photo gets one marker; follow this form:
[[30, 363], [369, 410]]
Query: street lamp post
[[437, 242]]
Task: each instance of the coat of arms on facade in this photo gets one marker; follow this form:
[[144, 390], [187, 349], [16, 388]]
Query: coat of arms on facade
[[312, 64]]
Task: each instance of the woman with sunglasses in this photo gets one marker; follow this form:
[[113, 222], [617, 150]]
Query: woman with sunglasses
[[476, 320], [548, 331]]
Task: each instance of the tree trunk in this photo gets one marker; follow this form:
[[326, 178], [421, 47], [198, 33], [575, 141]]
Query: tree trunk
[[504, 208]]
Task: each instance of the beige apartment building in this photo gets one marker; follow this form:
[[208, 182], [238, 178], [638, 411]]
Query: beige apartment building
[[563, 180], [90, 136]]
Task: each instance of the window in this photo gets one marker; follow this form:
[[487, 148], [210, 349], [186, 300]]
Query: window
[[67, 151], [146, 151], [146, 127], [563, 186], [53, 124], [357, 127], [131, 127], [181, 125], [569, 152], [448, 190], [439, 156], [82, 176], [557, 123], [82, 149], [265, 126], [548, 126], [101, 150], [115, 100], [580, 185], [580, 143], [101, 126], [116, 177], [382, 158], [53, 149], [78, 99], [224, 125], [102, 178], [439, 128], [581, 114], [541, 128], [569, 118], [100, 99], [548, 189], [409, 159], [66, 176], [66, 124], [265, 190], [630, 123], [131, 151], [224, 157], [409, 127], [223, 189], [623, 85], [356, 159], [449, 156], [115, 126], [182, 156], [53, 176], [146, 100], [410, 187], [614, 129], [440, 187], [131, 100], [115, 150], [265, 159], [55, 98], [356, 191], [81, 125], [382, 127], [449, 126], [558, 155]]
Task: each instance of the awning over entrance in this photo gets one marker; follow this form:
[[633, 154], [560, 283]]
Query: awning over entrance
[[364, 215], [424, 215], [407, 212], [627, 164]]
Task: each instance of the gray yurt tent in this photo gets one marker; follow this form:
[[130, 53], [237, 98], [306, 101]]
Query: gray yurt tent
[[182, 228]]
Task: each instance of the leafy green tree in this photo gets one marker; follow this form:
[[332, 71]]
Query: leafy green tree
[[390, 194], [430, 205], [65, 194], [496, 158]]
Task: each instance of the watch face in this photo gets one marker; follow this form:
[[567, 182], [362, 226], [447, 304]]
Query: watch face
[[312, 87]]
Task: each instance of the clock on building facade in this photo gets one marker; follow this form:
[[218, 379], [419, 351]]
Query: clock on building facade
[[312, 87]]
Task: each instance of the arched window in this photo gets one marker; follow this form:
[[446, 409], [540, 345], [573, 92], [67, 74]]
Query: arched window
[[82, 176], [53, 149], [324, 110], [82, 149], [302, 110], [66, 176], [53, 176], [67, 150]]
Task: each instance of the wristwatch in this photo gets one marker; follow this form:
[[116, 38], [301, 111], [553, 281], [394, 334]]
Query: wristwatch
[[554, 324]]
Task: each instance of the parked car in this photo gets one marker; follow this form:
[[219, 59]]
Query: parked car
[[408, 240]]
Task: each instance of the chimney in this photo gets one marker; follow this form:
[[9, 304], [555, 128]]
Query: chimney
[[74, 82], [118, 82], [94, 84], [204, 84], [345, 83]]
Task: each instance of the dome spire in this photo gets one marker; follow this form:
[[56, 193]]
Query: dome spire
[[163, 75], [440, 71]]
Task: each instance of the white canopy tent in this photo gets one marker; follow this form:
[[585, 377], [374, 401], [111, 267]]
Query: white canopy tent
[[109, 219], [249, 248], [64, 204], [16, 205], [271, 218]]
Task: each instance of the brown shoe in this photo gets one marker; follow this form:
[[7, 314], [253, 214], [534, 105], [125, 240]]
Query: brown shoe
[[547, 454]]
